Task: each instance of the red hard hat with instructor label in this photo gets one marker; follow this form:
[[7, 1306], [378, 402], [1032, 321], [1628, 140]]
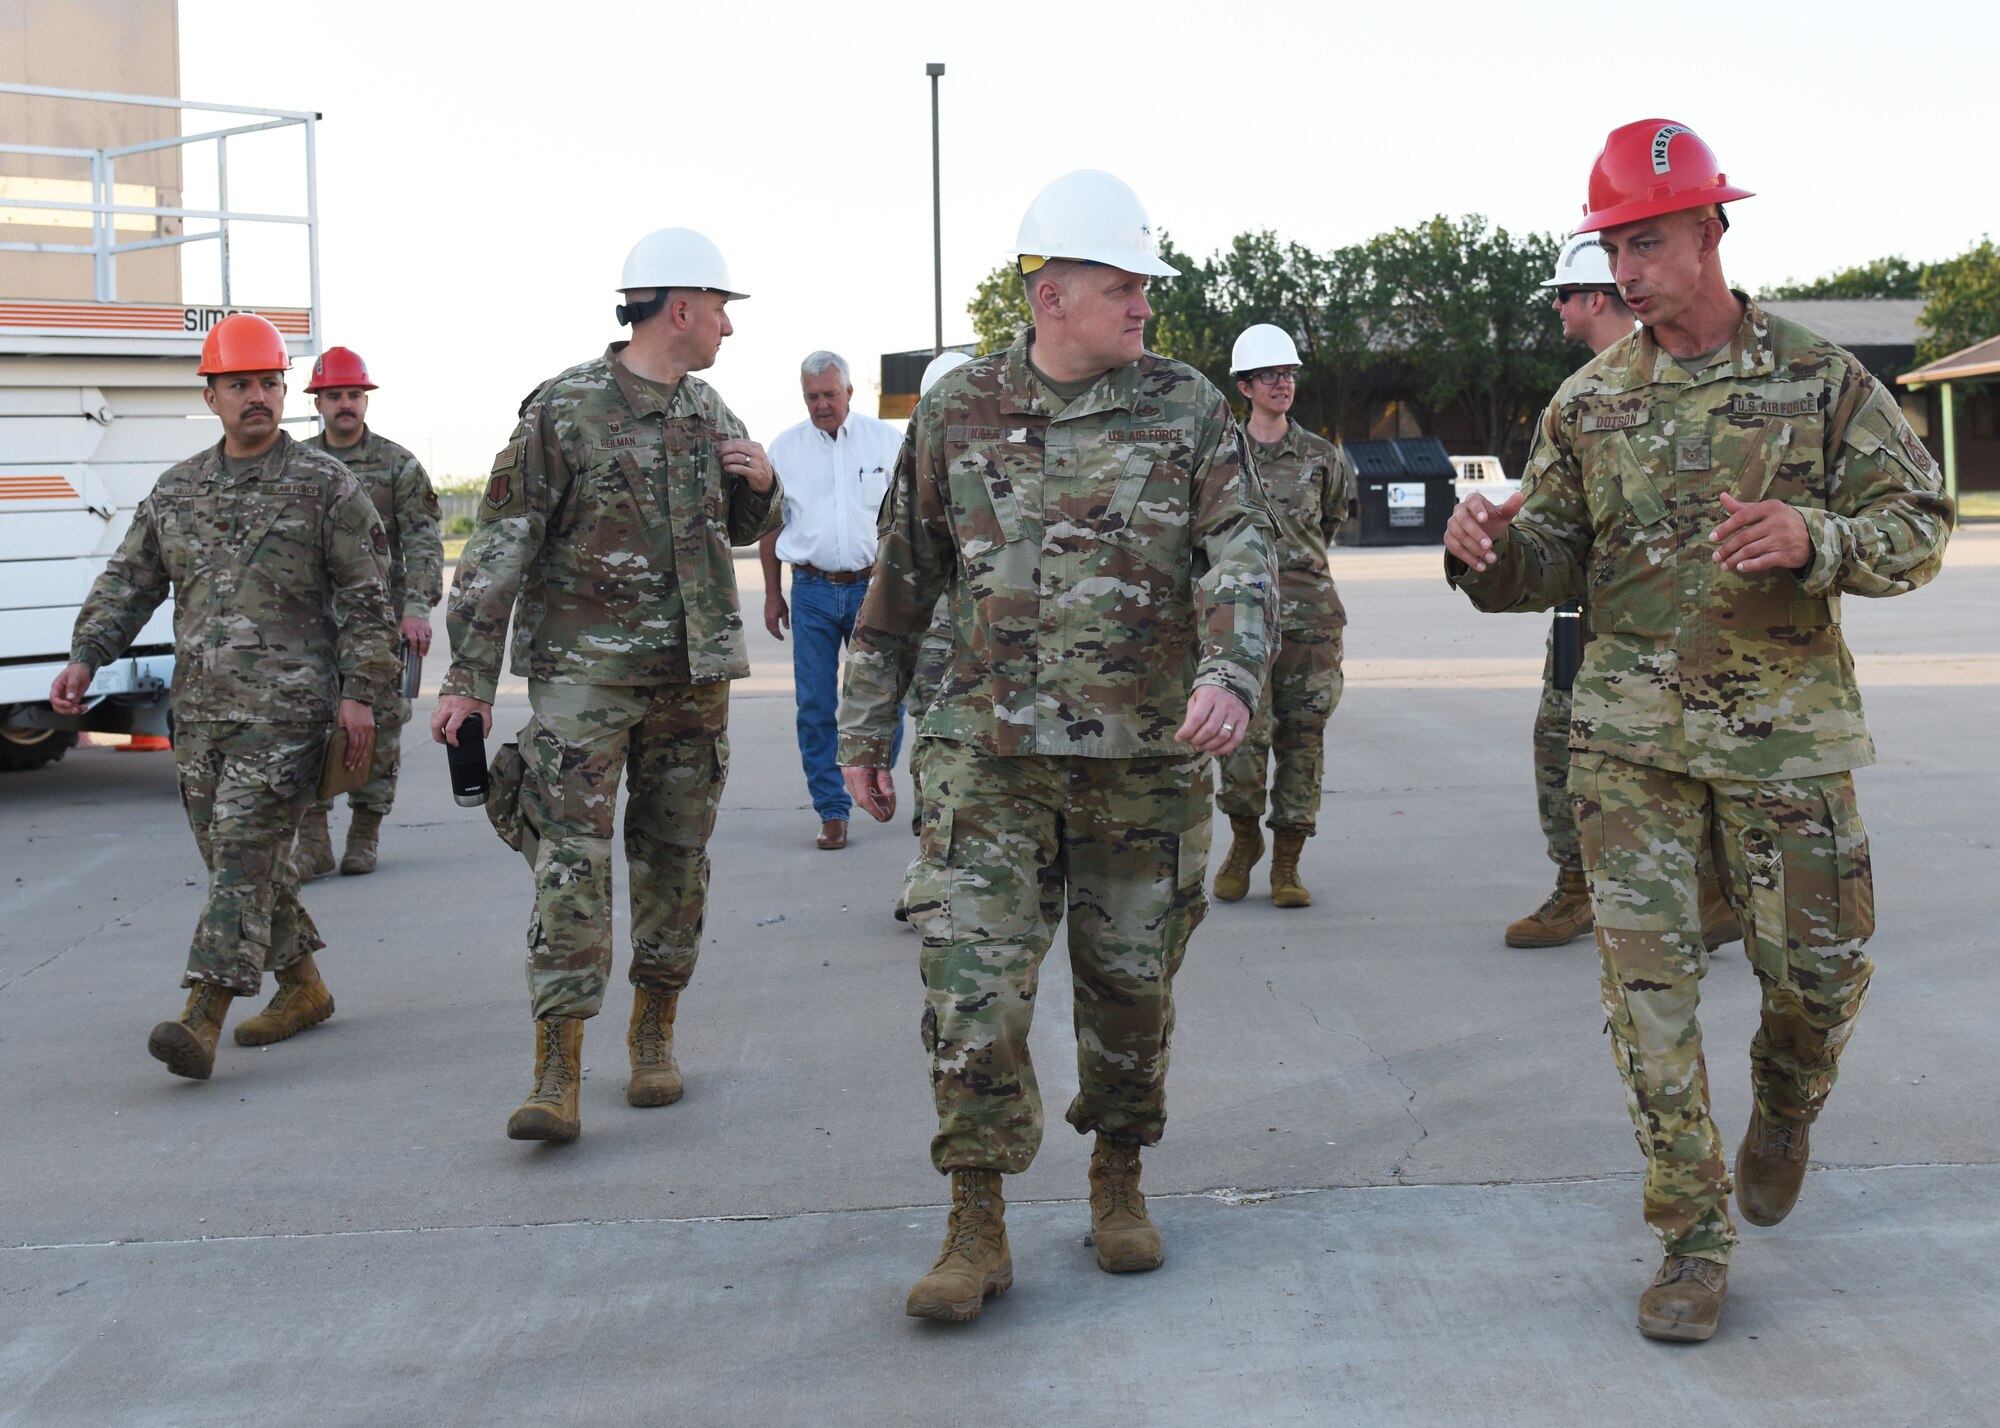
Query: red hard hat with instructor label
[[1652, 167], [339, 367], [243, 342]]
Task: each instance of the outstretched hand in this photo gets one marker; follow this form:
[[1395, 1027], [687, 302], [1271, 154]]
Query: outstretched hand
[[1478, 528]]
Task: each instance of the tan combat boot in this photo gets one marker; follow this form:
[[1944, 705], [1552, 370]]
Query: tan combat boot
[[975, 1260], [656, 1076], [1286, 889], [1563, 917], [550, 1112], [362, 835], [1770, 1167], [302, 1001], [1684, 1300], [1128, 1242], [315, 850], [1232, 879], [188, 1045]]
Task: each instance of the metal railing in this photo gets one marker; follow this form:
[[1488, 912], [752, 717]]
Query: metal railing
[[104, 249]]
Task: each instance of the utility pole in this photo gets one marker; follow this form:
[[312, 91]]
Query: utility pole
[[936, 72]]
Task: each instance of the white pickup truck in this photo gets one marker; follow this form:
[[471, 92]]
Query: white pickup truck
[[1483, 474]]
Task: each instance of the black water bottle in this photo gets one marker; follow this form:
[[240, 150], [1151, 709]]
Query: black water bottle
[[468, 763], [1569, 643]]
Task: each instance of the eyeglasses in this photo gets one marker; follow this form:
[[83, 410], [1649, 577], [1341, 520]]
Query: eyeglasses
[[1271, 376]]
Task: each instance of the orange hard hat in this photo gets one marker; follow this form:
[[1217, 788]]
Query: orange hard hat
[[1652, 167], [243, 342], [339, 367]]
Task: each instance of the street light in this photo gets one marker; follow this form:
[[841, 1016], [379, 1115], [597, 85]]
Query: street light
[[936, 72]]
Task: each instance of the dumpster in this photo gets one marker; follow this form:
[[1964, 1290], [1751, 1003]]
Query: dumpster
[[1404, 491]]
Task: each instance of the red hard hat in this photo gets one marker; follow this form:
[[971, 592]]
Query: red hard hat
[[1652, 167], [243, 342], [339, 367]]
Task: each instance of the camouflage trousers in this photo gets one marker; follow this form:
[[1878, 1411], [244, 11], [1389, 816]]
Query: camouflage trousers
[[671, 744], [1009, 846], [933, 656], [1299, 697], [245, 787], [1552, 801], [378, 795], [1795, 861]]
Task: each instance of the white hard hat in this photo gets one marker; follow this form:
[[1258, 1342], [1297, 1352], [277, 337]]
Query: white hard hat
[[1581, 264], [677, 258], [1263, 346], [1092, 217], [940, 364]]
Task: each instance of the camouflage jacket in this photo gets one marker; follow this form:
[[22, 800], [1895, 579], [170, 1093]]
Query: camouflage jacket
[[281, 607], [1690, 666], [1099, 560], [1311, 485], [610, 516], [396, 483]]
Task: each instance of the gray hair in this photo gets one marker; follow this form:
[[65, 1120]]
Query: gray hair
[[818, 362]]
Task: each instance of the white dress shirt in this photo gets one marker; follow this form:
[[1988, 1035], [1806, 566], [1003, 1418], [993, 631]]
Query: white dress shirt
[[833, 490]]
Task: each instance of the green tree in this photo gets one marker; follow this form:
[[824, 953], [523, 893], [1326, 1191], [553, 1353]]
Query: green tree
[[1189, 321], [1961, 301], [1462, 307], [999, 308], [1893, 277]]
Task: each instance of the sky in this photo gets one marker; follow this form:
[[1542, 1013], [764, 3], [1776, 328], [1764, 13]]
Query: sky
[[483, 168]]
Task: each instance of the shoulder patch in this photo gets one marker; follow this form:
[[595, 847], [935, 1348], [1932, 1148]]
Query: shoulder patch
[[1914, 448], [503, 486]]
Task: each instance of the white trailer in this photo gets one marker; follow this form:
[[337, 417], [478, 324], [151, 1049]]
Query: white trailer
[[97, 398]]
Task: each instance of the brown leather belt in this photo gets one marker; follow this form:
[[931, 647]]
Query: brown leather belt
[[836, 577]]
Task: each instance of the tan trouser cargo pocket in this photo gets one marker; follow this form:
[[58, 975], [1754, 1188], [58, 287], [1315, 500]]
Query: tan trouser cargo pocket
[[508, 805], [1851, 862], [1764, 870], [928, 894]]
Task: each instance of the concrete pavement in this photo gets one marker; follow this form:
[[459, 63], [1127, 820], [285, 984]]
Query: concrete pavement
[[1399, 1185]]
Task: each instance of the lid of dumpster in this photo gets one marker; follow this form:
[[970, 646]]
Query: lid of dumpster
[[1407, 458]]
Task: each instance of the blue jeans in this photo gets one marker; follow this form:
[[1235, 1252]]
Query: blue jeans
[[822, 621]]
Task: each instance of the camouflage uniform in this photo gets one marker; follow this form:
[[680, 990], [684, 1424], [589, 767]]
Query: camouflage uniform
[[395, 481], [611, 518], [933, 655], [1718, 706], [1311, 485], [1551, 742], [1099, 559], [280, 611]]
